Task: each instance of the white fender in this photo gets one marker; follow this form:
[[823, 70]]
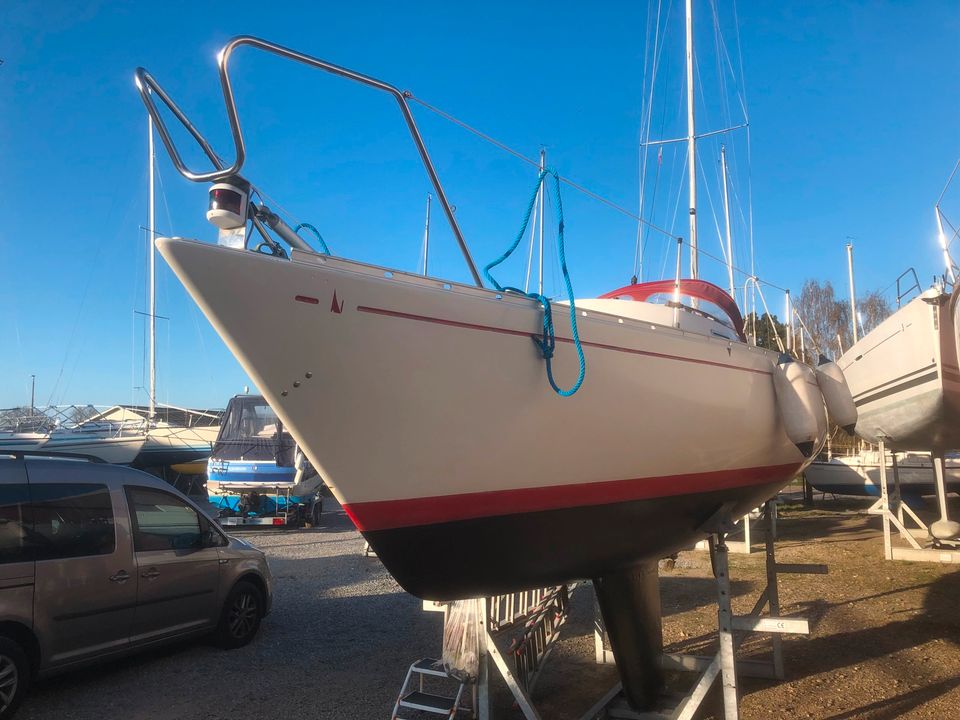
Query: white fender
[[800, 403], [836, 393]]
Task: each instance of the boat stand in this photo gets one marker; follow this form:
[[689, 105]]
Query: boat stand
[[724, 663], [894, 512], [535, 617], [744, 547]]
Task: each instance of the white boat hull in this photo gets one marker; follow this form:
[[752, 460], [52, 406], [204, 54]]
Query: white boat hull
[[114, 450], [905, 379], [426, 409], [860, 474]]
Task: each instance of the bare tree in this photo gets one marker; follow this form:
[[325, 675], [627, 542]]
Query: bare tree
[[828, 317]]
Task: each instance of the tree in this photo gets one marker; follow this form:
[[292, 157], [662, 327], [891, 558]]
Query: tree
[[767, 328], [828, 317], [873, 308]]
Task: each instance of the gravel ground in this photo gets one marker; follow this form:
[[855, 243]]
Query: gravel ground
[[885, 642]]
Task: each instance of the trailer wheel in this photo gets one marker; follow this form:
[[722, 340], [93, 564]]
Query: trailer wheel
[[315, 512]]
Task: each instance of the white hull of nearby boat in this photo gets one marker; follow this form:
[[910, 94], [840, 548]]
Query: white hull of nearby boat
[[860, 474], [21, 441], [168, 444], [905, 378], [424, 404], [120, 450]]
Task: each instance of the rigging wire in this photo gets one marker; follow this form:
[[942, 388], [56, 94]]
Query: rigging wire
[[536, 164]]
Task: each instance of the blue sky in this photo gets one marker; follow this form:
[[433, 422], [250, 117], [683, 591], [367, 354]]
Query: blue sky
[[853, 110]]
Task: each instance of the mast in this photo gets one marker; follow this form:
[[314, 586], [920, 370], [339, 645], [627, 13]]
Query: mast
[[726, 220], [543, 164], [853, 295], [153, 280], [426, 236], [691, 147], [942, 236]]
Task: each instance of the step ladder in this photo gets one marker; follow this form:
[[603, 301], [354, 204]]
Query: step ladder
[[413, 697]]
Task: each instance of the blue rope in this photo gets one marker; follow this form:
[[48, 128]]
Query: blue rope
[[311, 228], [547, 342]]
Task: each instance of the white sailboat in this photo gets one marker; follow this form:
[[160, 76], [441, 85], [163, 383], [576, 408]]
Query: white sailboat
[[678, 419], [905, 377]]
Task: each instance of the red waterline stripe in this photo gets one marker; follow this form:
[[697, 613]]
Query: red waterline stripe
[[389, 514], [585, 343]]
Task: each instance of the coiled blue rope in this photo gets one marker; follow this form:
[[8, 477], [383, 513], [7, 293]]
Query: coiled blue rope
[[311, 228], [547, 343]]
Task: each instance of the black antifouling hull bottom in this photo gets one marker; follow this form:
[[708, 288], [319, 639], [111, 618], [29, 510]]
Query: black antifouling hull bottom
[[488, 556]]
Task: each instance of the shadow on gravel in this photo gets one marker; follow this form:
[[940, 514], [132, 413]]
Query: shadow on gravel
[[891, 708], [938, 621]]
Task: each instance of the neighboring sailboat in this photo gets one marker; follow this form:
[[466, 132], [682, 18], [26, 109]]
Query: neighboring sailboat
[[904, 376], [423, 403]]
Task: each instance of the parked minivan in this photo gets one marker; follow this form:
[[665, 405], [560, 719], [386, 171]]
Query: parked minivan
[[100, 560]]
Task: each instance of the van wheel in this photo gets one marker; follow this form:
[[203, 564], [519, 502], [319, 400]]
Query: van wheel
[[240, 618], [14, 676]]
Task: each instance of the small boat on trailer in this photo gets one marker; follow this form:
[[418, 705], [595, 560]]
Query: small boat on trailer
[[256, 474], [679, 422]]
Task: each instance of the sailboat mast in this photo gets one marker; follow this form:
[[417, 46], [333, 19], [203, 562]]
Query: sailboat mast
[[853, 295], [691, 147], [153, 279], [942, 237], [426, 236], [543, 164], [726, 220]]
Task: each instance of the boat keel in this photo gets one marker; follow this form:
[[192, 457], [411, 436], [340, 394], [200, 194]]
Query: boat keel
[[629, 603]]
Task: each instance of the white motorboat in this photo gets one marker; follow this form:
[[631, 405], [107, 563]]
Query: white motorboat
[[111, 446], [859, 474], [173, 436], [21, 440]]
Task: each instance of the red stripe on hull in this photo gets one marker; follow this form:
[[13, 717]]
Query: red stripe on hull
[[585, 343], [390, 514]]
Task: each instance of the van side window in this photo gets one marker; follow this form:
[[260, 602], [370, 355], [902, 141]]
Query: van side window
[[14, 526], [163, 521], [72, 520]]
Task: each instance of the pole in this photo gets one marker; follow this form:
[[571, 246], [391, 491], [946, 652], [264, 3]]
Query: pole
[[726, 220], [943, 246], [853, 294], [426, 237], [153, 280], [789, 319], [33, 387], [692, 148], [543, 164]]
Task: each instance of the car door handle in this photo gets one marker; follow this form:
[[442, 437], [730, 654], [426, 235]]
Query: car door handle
[[150, 574], [120, 577]]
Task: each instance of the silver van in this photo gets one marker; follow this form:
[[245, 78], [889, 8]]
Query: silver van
[[100, 560]]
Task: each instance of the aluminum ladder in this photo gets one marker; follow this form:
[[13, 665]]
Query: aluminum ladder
[[413, 696]]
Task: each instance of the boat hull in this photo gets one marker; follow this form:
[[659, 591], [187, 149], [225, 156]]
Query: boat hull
[[905, 379], [114, 450], [168, 445], [859, 475], [425, 407]]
